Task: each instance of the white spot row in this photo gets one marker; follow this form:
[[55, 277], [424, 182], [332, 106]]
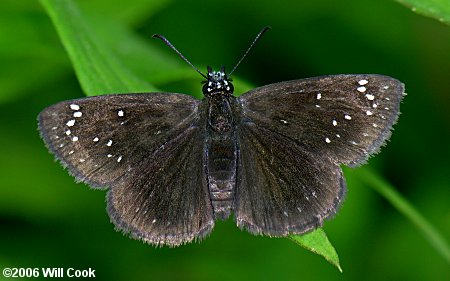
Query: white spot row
[[109, 143], [370, 97], [70, 123], [74, 106], [120, 113], [361, 89], [363, 82], [348, 117], [77, 114]]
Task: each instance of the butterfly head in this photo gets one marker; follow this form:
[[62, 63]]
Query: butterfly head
[[217, 83]]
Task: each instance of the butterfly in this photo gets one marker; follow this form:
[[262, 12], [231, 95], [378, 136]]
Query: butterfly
[[174, 164]]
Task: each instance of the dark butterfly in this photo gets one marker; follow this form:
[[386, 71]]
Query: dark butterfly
[[175, 164]]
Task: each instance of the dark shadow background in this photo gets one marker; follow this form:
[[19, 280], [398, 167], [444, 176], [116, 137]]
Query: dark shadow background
[[47, 220]]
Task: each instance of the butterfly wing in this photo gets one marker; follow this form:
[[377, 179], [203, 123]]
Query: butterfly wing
[[282, 188], [147, 149], [344, 117], [293, 136]]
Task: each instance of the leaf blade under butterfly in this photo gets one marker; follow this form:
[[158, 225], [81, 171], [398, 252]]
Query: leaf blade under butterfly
[[437, 9], [318, 243], [98, 69]]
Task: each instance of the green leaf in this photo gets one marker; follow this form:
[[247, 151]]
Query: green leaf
[[131, 13], [437, 9], [98, 69], [404, 207], [317, 242]]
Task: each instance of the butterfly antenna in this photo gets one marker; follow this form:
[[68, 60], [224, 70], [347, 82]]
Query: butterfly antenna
[[178, 52], [251, 46]]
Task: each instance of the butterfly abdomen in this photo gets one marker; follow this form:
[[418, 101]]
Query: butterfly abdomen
[[221, 156]]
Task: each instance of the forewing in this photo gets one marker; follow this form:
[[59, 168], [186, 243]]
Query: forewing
[[283, 188], [100, 138], [148, 148], [344, 117]]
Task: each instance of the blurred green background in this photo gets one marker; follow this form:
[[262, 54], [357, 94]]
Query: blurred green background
[[47, 220]]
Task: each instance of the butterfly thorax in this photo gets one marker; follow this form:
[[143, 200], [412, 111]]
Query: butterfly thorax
[[221, 145]]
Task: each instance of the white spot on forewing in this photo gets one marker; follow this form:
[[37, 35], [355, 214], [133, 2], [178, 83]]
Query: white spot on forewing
[[75, 139], [71, 152], [77, 114], [153, 221], [61, 145], [319, 96], [348, 117], [334, 123], [337, 135], [119, 159], [82, 160], [109, 143], [95, 139], [318, 106], [386, 87], [363, 82], [374, 105], [70, 123], [285, 213], [283, 121], [68, 132], [374, 125], [327, 140], [370, 97], [109, 155], [120, 113], [361, 89], [368, 112], [54, 128], [74, 106]]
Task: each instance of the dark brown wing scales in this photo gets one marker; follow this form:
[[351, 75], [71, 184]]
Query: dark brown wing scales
[[283, 188], [344, 117], [166, 201], [293, 136], [148, 148], [99, 138]]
